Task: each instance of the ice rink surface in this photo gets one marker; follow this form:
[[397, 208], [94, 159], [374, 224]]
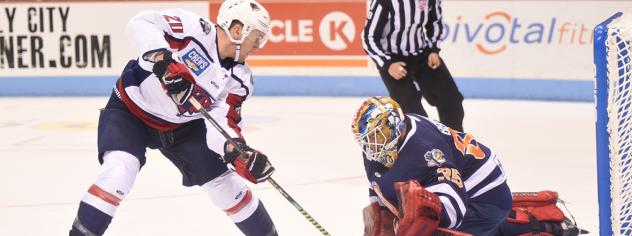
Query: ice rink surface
[[48, 160]]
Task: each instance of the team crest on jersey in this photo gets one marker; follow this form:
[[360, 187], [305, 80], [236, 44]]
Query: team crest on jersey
[[434, 158], [195, 61]]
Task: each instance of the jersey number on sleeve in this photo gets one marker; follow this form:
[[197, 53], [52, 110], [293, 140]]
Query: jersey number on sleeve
[[174, 23], [450, 174], [467, 145]]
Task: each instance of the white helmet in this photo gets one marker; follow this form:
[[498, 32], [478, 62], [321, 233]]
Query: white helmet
[[250, 13]]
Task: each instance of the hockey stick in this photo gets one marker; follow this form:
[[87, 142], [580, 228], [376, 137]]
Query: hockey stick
[[448, 232], [278, 187]]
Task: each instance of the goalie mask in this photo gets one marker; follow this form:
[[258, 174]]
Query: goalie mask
[[377, 127]]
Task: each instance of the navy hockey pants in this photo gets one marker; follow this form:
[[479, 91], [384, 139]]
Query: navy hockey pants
[[185, 146]]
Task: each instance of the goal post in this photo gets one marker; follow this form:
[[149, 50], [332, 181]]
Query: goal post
[[613, 99]]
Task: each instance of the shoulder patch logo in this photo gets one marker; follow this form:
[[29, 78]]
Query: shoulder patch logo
[[434, 158], [206, 27], [195, 61]]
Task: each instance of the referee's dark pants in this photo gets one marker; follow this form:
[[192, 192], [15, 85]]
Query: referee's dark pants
[[437, 86]]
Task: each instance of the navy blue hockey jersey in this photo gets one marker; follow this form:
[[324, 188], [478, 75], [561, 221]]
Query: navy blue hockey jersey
[[449, 163]]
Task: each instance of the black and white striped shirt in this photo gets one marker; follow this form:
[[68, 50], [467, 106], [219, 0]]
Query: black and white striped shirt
[[401, 27]]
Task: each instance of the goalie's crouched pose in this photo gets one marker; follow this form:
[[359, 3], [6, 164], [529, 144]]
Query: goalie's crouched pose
[[424, 175]]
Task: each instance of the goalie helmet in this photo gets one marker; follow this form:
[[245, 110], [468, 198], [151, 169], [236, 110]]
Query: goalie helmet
[[377, 127], [250, 13]]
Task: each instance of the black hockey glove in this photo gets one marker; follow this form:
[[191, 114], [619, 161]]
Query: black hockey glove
[[175, 77], [251, 164]]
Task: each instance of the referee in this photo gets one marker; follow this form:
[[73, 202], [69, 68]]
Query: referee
[[402, 38]]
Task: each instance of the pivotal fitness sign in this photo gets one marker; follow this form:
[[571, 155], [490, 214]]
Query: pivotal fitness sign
[[310, 34], [505, 39]]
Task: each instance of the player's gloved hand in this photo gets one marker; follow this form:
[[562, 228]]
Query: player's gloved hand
[[175, 77], [251, 164]]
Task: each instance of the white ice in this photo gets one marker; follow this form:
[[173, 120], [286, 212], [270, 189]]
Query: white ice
[[48, 161]]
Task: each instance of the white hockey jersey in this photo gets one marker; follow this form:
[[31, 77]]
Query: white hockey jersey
[[193, 40]]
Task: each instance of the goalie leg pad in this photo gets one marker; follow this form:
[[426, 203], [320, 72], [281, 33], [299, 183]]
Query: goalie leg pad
[[537, 213], [419, 209], [541, 205]]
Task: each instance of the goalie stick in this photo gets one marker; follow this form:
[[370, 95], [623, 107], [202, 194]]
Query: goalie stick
[[278, 187]]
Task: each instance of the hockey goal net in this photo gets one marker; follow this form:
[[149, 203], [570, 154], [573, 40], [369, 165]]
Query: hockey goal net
[[613, 86]]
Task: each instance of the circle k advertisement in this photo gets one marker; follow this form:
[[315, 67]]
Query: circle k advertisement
[[312, 34]]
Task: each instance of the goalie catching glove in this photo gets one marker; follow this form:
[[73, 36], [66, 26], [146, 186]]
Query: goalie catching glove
[[419, 209], [419, 213], [175, 78], [251, 164]]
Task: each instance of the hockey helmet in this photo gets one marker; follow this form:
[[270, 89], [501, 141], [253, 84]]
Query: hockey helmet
[[250, 13], [377, 127]]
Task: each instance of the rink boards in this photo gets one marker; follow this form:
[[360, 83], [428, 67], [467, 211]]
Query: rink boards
[[494, 49]]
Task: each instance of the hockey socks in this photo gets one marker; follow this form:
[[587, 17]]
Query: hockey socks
[[90, 221], [230, 193], [258, 224]]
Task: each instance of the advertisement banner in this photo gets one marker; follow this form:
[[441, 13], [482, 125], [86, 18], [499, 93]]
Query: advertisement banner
[[488, 45], [311, 34], [523, 39], [64, 39]]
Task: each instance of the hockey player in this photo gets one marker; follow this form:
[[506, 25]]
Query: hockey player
[[183, 56], [426, 174]]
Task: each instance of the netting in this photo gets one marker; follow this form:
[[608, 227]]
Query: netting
[[620, 122]]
